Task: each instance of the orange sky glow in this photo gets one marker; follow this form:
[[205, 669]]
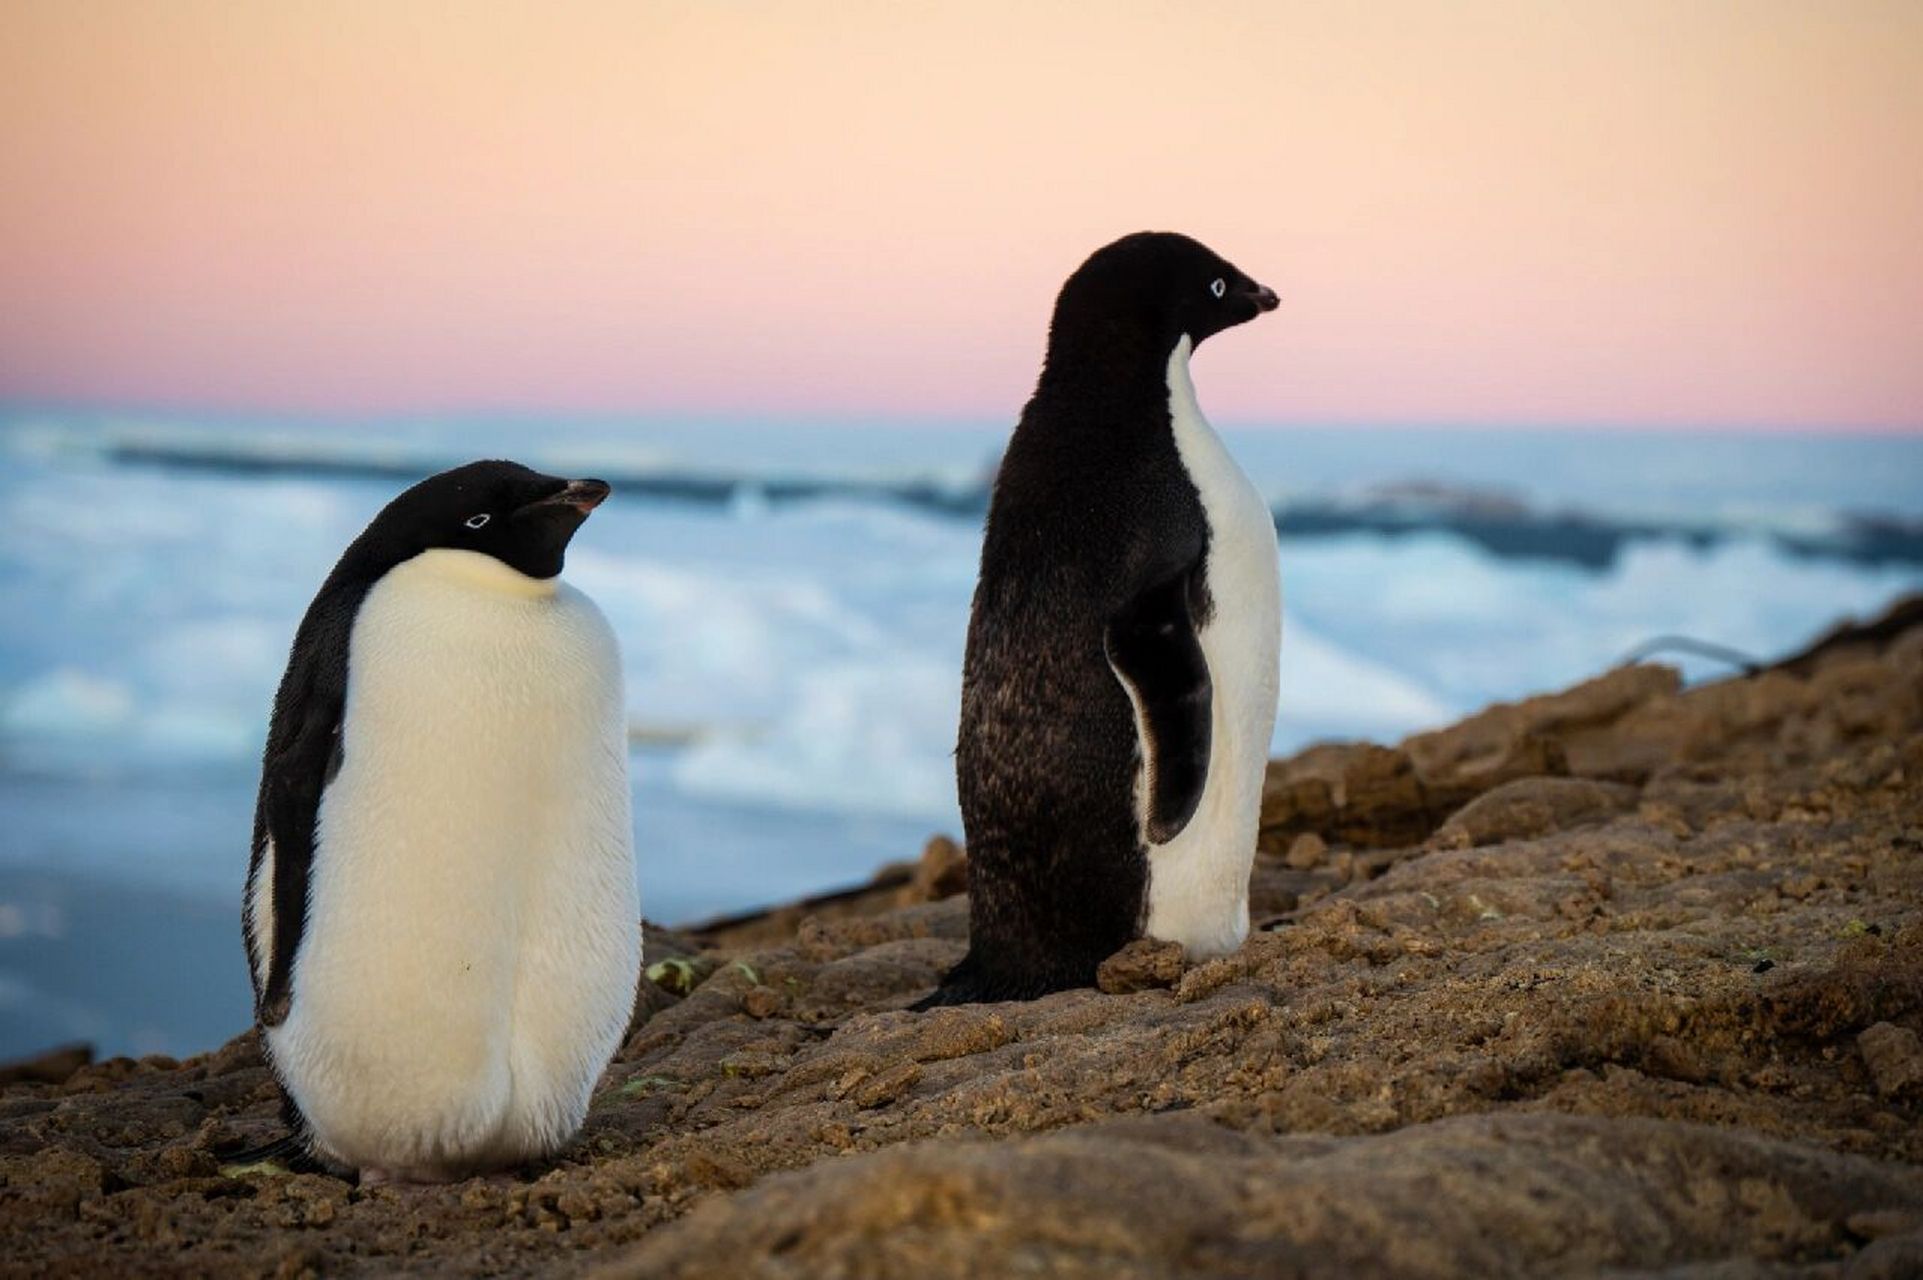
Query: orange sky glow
[[1506, 213]]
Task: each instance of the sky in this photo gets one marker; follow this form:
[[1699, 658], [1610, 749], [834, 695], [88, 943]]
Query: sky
[[1588, 213]]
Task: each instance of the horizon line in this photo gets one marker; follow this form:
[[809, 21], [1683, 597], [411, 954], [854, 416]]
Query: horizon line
[[872, 419]]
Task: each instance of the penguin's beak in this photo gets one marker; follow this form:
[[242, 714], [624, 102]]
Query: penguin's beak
[[583, 495], [1263, 297]]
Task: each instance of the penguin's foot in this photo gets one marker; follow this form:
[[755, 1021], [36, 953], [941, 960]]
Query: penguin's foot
[[971, 982]]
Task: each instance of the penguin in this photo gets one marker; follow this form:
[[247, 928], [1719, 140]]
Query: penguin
[[441, 914], [1120, 676]]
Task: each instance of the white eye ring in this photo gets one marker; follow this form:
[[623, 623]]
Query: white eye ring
[[475, 522], [1218, 286]]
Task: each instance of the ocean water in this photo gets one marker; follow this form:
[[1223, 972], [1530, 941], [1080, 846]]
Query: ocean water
[[792, 649]]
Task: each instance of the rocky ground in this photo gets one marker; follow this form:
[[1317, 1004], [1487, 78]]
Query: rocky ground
[[1624, 980]]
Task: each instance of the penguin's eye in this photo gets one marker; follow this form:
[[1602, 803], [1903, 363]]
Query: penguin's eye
[[1218, 286], [475, 522]]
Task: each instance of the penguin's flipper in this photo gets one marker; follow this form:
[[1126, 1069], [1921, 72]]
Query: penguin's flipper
[[1153, 649], [304, 752]]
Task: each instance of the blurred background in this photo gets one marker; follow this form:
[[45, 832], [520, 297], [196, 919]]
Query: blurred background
[[1600, 321]]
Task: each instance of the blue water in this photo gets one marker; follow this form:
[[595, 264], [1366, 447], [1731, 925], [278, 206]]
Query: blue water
[[793, 668]]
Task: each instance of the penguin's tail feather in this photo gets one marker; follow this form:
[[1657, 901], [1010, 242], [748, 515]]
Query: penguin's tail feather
[[289, 1151]]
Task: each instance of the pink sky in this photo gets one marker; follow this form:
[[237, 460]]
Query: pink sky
[[1647, 213]]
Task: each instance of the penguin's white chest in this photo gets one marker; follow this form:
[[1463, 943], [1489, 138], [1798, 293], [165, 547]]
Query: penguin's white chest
[[1198, 891], [472, 945]]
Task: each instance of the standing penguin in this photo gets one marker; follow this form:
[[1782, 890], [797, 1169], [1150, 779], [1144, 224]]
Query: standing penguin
[[1119, 688], [441, 910]]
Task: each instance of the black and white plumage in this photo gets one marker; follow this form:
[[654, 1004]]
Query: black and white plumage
[[441, 911], [1119, 687]]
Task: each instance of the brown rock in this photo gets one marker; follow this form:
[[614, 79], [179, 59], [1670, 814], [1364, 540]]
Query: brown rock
[[1895, 1059], [1140, 966], [1533, 807], [1294, 801], [882, 1089], [1181, 1197], [820, 938], [1306, 850], [1491, 735], [54, 1066], [1358, 794], [1800, 886], [760, 1002], [941, 873]]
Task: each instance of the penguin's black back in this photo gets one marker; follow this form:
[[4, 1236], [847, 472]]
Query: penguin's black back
[[1091, 506]]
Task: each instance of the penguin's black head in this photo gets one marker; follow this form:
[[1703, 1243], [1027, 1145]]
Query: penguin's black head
[[1155, 285], [502, 509]]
